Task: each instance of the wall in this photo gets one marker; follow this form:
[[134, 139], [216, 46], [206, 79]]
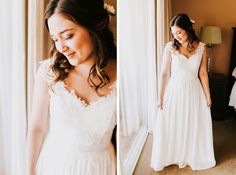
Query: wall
[[212, 12]]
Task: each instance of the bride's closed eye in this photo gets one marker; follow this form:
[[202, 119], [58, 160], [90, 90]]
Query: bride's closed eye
[[69, 36]]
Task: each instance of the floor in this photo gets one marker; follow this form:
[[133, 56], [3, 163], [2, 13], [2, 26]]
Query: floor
[[125, 145], [225, 153]]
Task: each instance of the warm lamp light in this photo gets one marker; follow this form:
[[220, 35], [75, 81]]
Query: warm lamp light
[[210, 35]]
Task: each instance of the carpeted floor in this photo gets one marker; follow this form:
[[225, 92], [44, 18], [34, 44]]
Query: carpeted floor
[[225, 153]]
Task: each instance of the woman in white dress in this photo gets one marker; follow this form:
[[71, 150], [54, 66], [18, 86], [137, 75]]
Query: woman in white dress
[[183, 129], [77, 87]]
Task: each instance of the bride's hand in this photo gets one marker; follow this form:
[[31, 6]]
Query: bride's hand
[[209, 103], [160, 104]]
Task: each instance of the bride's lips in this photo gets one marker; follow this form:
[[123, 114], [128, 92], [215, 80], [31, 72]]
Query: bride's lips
[[70, 55]]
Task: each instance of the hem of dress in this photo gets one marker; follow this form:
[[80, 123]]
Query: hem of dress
[[194, 168]]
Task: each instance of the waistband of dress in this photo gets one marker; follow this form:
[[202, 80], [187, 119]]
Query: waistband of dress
[[183, 77], [94, 148]]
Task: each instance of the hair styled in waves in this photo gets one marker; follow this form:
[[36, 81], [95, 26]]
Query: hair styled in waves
[[183, 21], [91, 15]]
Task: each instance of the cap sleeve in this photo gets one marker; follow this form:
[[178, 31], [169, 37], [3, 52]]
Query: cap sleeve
[[201, 47], [167, 52], [45, 71], [168, 46]]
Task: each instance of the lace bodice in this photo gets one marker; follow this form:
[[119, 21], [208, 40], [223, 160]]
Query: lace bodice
[[76, 121], [183, 66]]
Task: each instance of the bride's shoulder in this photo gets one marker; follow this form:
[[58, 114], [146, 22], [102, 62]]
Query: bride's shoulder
[[45, 63], [170, 43], [169, 46], [44, 70], [200, 46]]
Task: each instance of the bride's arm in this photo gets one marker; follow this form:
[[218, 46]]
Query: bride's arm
[[165, 73], [203, 75], [37, 124]]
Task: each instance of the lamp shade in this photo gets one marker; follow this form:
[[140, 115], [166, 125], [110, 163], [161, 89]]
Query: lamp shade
[[210, 35]]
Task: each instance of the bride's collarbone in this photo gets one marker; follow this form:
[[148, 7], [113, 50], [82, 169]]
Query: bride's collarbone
[[186, 53], [79, 85], [84, 91]]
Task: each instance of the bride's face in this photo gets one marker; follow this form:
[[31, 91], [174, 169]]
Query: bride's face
[[179, 34], [70, 39]]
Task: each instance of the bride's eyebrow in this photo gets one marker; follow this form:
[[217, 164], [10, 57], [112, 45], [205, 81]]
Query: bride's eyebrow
[[176, 32], [63, 31]]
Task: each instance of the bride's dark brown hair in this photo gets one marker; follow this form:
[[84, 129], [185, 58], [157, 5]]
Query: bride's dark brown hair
[[184, 22], [91, 15]]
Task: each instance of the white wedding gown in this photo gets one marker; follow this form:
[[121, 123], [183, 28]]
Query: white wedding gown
[[183, 129], [79, 137]]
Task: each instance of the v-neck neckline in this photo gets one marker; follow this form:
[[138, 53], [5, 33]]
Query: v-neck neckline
[[188, 58], [85, 103]]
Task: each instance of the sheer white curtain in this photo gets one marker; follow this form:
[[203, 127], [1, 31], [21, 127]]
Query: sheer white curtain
[[12, 86], [21, 48], [137, 64], [38, 43], [163, 17]]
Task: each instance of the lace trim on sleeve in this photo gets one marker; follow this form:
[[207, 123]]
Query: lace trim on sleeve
[[201, 48], [169, 46], [44, 70]]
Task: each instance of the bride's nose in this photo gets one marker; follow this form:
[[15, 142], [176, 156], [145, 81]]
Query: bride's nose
[[61, 47]]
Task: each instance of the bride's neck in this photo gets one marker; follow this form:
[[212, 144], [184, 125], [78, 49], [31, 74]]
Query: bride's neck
[[185, 44]]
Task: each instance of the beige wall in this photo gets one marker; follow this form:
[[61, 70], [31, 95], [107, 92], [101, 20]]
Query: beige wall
[[212, 12]]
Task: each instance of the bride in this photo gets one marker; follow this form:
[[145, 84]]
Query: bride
[[77, 87], [183, 127]]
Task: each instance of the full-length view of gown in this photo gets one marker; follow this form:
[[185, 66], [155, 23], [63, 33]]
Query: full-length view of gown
[[79, 137], [182, 133]]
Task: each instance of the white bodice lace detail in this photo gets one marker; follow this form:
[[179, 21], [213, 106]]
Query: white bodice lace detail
[[181, 65], [75, 121]]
